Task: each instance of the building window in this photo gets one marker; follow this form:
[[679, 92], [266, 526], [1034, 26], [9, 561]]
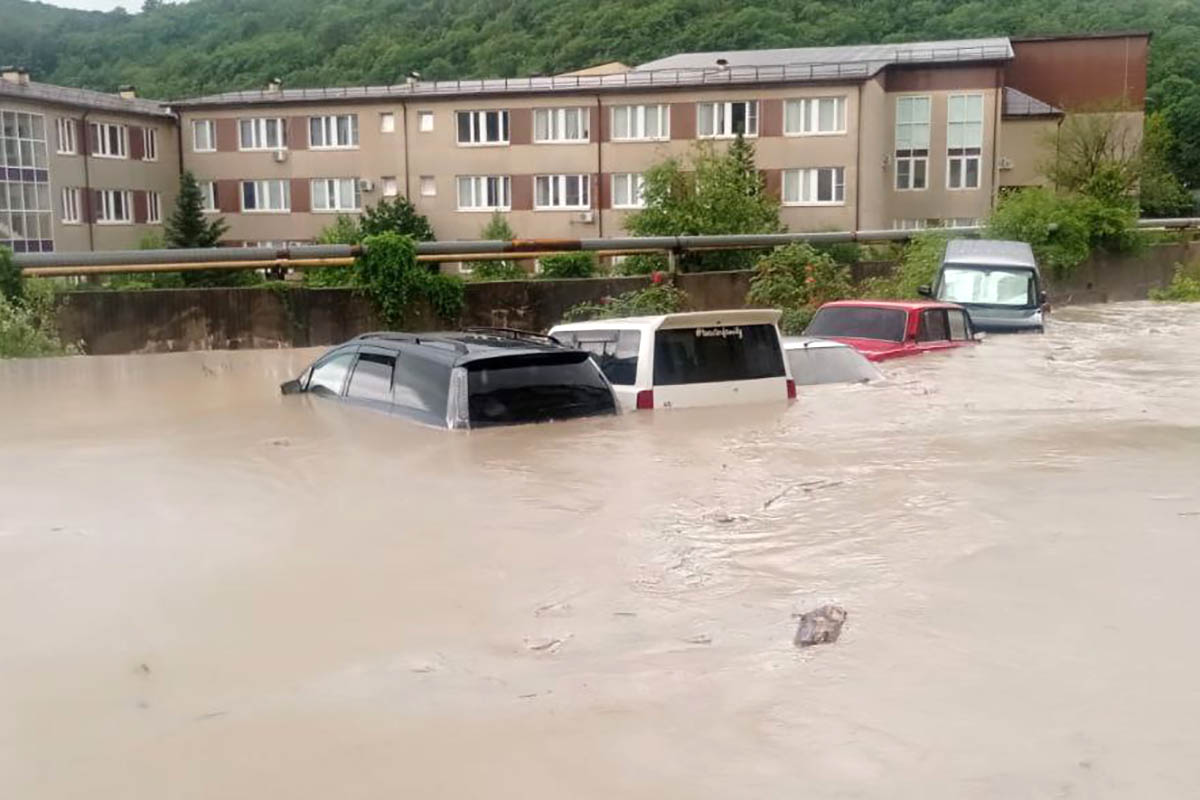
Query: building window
[[208, 195], [961, 222], [333, 132], [425, 121], [26, 211], [813, 116], [116, 207], [428, 186], [70, 206], [204, 136], [912, 142], [111, 141], [153, 207], [387, 122], [816, 186], [562, 192], [336, 194], [149, 144], [728, 119], [634, 123], [627, 190], [261, 133], [482, 127], [484, 193], [66, 137], [561, 124], [915, 224], [390, 187], [267, 196], [964, 140]]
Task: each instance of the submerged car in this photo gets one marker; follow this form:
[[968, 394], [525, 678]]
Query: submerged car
[[816, 361], [997, 282], [699, 358], [883, 329], [471, 379]]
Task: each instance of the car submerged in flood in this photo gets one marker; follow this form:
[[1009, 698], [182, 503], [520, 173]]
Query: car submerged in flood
[[884, 329], [996, 281], [471, 379]]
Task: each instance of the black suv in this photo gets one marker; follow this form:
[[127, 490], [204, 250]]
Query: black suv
[[472, 379]]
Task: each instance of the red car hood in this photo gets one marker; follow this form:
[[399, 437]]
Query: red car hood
[[874, 349]]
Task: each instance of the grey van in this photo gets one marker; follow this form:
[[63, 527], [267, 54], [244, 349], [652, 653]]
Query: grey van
[[998, 282]]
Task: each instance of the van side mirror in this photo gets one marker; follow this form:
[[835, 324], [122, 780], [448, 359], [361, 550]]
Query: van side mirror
[[925, 291], [291, 387]]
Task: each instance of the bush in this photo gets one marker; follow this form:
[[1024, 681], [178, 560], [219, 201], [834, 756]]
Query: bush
[[798, 279], [658, 298], [918, 264], [642, 264], [1057, 226], [1184, 287], [569, 265], [11, 286], [388, 274], [497, 229], [27, 327]]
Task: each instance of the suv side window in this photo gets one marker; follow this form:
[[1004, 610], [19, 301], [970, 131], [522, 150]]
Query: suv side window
[[933, 327], [422, 385], [615, 352], [372, 377], [959, 330], [329, 376]]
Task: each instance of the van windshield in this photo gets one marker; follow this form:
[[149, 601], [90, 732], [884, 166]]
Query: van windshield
[[987, 286], [513, 390], [859, 322], [722, 353]]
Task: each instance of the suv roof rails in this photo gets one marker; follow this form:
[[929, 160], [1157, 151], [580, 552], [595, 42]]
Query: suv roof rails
[[512, 333], [393, 336]]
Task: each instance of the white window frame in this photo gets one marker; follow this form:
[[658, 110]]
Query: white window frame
[[209, 126], [810, 116], [71, 206], [555, 123], [149, 144], [429, 181], [104, 142], [258, 133], [635, 185], [389, 186], [970, 147], [722, 111], [478, 125], [153, 208], [425, 121], [330, 129], [67, 143], [105, 213], [807, 180], [637, 115], [912, 156], [208, 196], [335, 191], [262, 188], [387, 121], [480, 187], [556, 189]]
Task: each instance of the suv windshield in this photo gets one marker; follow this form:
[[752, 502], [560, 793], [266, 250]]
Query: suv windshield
[[997, 287], [856, 322], [709, 355], [517, 389]]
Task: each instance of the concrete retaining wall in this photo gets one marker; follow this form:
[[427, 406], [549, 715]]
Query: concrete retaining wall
[[199, 319]]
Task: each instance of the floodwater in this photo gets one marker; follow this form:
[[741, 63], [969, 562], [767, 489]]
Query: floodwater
[[208, 590]]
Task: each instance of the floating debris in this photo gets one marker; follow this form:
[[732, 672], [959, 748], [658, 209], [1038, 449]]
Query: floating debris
[[820, 626]]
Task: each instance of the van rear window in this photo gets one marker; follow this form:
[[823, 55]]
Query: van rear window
[[710, 355], [516, 390], [615, 352]]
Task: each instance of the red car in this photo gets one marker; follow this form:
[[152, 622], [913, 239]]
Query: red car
[[882, 329]]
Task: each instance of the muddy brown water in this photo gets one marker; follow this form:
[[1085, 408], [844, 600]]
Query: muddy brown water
[[208, 590]]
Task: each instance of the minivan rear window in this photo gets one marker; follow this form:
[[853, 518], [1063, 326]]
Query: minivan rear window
[[615, 352], [710, 355], [859, 322], [519, 389]]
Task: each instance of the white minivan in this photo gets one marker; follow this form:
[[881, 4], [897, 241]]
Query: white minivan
[[697, 358]]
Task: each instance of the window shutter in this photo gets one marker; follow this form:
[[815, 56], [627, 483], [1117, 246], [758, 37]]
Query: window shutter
[[773, 182], [522, 192], [227, 196], [139, 202], [520, 125], [301, 189], [227, 135], [771, 123], [603, 191], [683, 120], [596, 127], [137, 144], [297, 136]]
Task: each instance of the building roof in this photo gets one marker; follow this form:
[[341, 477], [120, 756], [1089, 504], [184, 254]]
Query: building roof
[[743, 67], [1019, 104], [35, 92]]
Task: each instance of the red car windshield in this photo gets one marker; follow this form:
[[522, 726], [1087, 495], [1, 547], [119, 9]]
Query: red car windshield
[[859, 322]]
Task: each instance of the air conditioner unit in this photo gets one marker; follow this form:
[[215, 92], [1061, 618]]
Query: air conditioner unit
[[585, 217], [280, 156], [366, 185], [1004, 162]]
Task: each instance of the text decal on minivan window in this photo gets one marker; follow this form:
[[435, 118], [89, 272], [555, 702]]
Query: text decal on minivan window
[[719, 333]]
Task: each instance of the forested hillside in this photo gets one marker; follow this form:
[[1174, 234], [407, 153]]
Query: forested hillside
[[210, 45]]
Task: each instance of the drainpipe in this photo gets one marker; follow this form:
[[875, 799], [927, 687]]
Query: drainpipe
[[404, 128], [997, 111], [858, 157], [179, 136], [599, 167], [87, 182]]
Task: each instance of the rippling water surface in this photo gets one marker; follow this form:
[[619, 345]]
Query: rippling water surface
[[208, 590]]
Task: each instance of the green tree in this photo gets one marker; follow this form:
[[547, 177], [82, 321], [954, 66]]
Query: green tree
[[497, 229], [1056, 226], [390, 276], [187, 225], [396, 216], [11, 285], [798, 278], [568, 265], [712, 193], [1160, 193], [343, 230]]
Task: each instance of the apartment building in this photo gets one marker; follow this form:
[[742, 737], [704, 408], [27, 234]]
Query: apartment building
[[82, 170]]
